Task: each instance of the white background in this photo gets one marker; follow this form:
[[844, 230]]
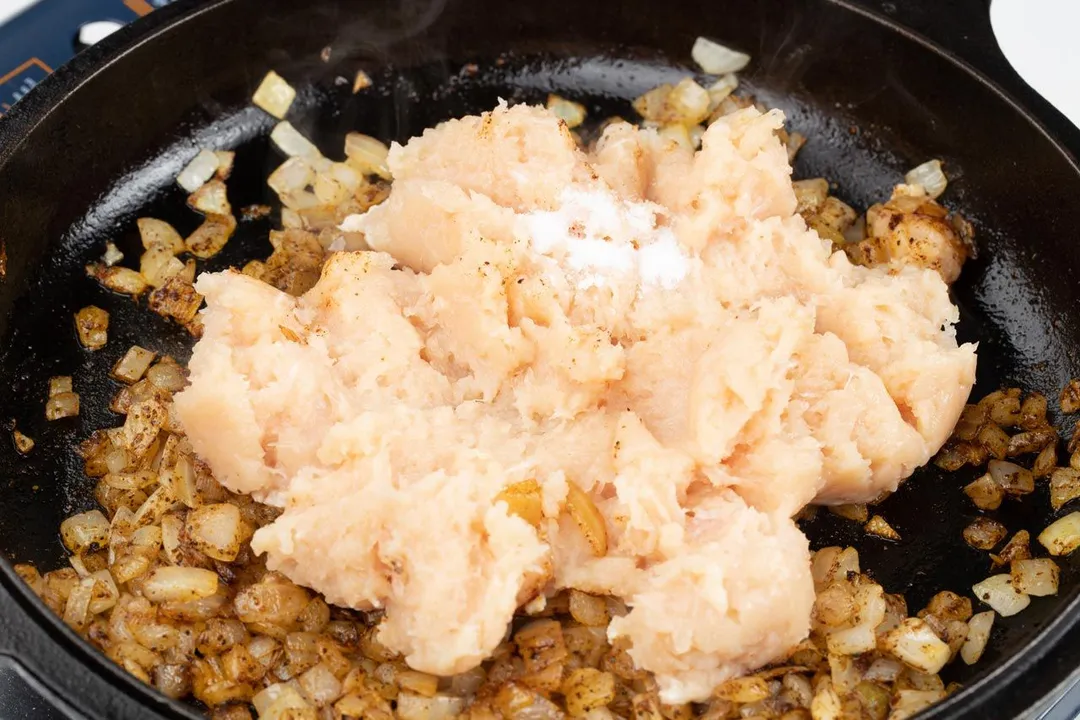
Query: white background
[[10, 8], [1039, 38]]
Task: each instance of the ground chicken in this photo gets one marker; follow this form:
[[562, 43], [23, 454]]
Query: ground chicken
[[653, 330]]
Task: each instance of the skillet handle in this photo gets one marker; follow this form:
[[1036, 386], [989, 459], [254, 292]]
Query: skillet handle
[[962, 28]]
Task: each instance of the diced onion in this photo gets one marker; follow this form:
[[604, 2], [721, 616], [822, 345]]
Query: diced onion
[[112, 254], [118, 279], [1064, 487], [211, 199], [216, 530], [225, 163], [167, 376], [158, 264], [688, 103], [588, 610], [59, 384], [984, 533], [62, 405], [1063, 536], [879, 527], [1035, 576], [930, 176], [104, 593], [289, 140], [826, 703], [870, 609], [721, 89], [588, 518], [652, 104], [571, 113], [418, 682], [587, 688], [1012, 478], [857, 512], [677, 133], [274, 95], [915, 644], [201, 168], [272, 603], [884, 670], [92, 327], [367, 155], [525, 500], [320, 685], [831, 563], [23, 443], [77, 608], [85, 531], [179, 584], [716, 59], [978, 635], [810, 194], [361, 81], [135, 362], [279, 702], [907, 703], [998, 592], [158, 233], [985, 493], [209, 238], [329, 191]]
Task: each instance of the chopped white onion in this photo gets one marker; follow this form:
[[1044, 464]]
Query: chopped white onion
[[179, 584], [289, 140], [861, 637], [112, 254], [677, 133], [572, 113], [1035, 576], [104, 593], [440, 707], [85, 531], [211, 199], [884, 670], [915, 644], [978, 634], [831, 563], [717, 59], [721, 89], [77, 609], [216, 530], [274, 95], [1063, 536], [688, 103], [293, 174], [930, 176], [320, 685], [278, 702], [367, 154], [225, 163], [361, 81], [198, 171], [998, 592], [907, 703]]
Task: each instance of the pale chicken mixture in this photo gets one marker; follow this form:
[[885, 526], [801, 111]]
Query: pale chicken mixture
[[640, 328]]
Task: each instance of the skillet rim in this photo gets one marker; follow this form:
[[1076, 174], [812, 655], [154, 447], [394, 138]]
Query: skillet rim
[[53, 92]]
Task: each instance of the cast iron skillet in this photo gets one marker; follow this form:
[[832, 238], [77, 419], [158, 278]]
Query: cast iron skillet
[[100, 142]]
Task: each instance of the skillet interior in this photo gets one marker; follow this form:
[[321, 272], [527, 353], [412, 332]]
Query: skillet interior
[[101, 159]]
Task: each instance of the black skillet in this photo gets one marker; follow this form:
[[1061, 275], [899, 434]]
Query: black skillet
[[99, 143]]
